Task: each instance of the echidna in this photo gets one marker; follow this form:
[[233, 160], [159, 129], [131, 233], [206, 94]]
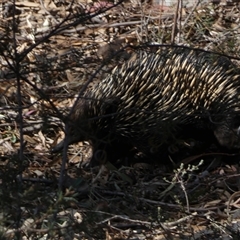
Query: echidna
[[154, 96]]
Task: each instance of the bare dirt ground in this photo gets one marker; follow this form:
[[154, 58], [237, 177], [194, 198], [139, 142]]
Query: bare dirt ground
[[49, 51]]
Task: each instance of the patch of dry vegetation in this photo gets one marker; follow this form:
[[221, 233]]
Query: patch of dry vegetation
[[49, 51]]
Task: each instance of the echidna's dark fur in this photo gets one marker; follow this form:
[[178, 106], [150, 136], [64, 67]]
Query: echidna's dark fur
[[147, 101]]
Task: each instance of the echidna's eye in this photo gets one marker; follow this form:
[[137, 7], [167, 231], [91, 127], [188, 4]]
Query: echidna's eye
[[100, 156]]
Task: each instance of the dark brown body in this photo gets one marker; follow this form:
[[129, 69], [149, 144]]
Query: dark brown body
[[154, 98]]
